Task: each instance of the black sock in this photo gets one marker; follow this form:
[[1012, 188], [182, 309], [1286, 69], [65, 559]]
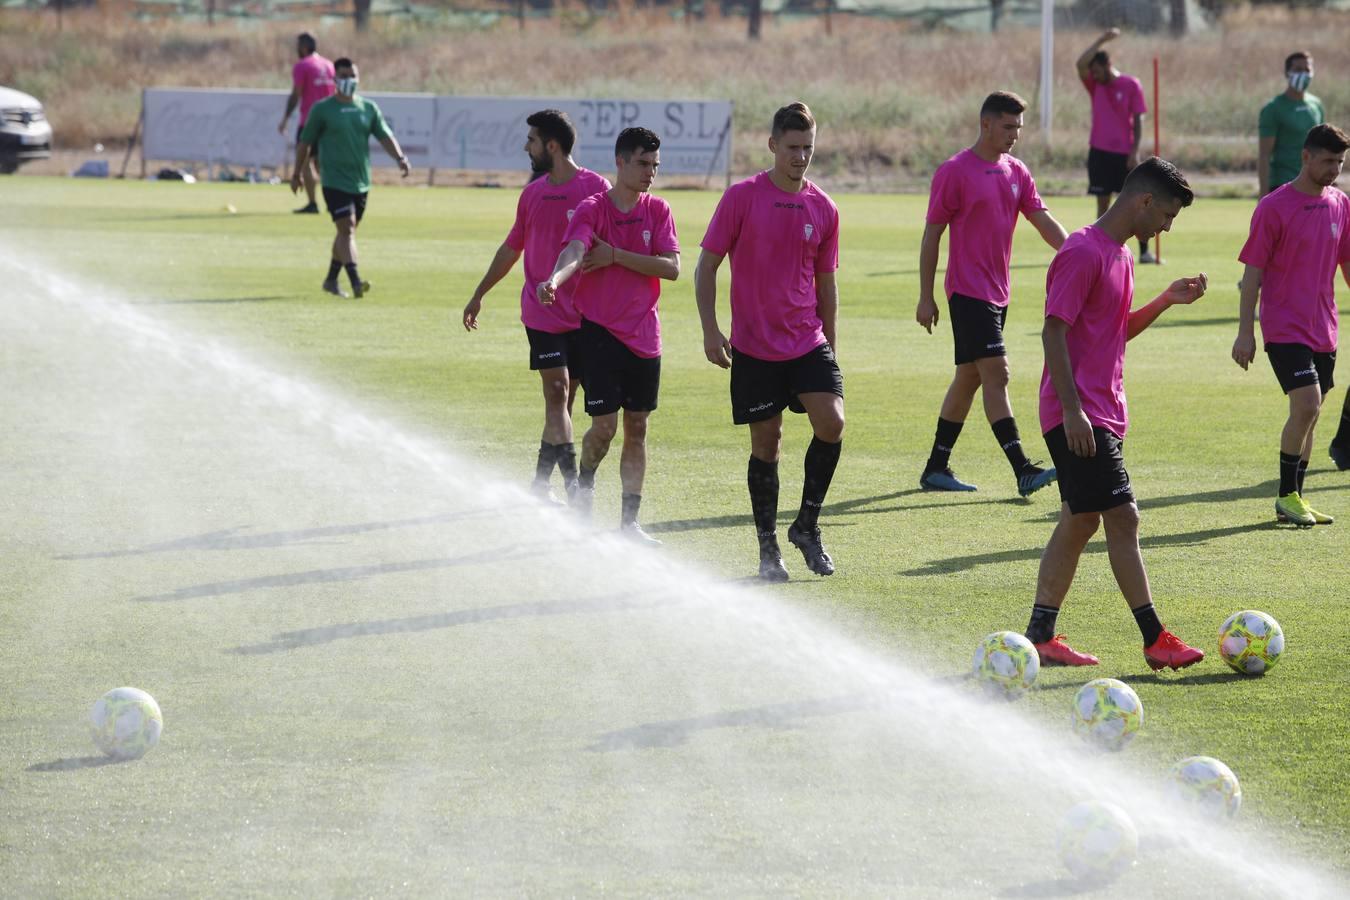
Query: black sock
[[1005, 431], [585, 476], [1041, 628], [631, 502], [566, 455], [1288, 473], [334, 268], [543, 467], [762, 479], [947, 433], [1146, 617], [1143, 247], [821, 459], [351, 273], [1342, 438], [1302, 473]]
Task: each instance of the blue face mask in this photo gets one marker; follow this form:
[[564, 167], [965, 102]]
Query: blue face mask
[[346, 86], [1299, 81]]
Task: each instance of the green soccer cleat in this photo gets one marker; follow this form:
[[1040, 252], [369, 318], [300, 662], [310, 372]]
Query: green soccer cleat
[[360, 289], [1319, 518], [1293, 508]]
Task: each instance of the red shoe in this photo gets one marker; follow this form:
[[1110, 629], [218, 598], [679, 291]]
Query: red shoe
[[1169, 650], [1055, 652]]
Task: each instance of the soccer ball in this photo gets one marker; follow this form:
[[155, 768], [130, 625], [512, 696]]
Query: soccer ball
[[1097, 841], [1107, 713], [1251, 642], [1006, 664], [126, 723], [1208, 784]]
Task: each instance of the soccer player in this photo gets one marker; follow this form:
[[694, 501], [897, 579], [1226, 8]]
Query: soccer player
[[1089, 291], [546, 206], [339, 129], [312, 81], [622, 243], [1300, 232], [782, 233], [1118, 110], [1284, 123], [980, 192]]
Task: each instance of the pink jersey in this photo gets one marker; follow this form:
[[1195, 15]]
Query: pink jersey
[[1114, 106], [620, 299], [778, 243], [1090, 285], [980, 200], [542, 215], [313, 75], [1298, 240]]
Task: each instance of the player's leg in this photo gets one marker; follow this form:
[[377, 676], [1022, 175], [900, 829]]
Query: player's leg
[[343, 212], [1103, 204], [826, 412], [766, 443], [640, 387], [307, 174], [594, 447], [994, 376], [965, 314], [1295, 447], [603, 376], [1059, 563], [557, 426], [359, 286], [1340, 444]]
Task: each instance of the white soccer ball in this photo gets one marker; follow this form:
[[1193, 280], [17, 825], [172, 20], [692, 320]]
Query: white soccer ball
[[126, 723], [1207, 784], [1107, 713], [1097, 841], [1251, 642], [1006, 664]]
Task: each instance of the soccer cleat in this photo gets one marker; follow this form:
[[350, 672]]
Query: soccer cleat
[[332, 287], [1147, 258], [1033, 478], [360, 289], [308, 208], [817, 560], [1319, 518], [1055, 652], [1292, 508], [633, 531], [1340, 456], [943, 480], [771, 566], [1169, 651], [542, 490], [581, 499]]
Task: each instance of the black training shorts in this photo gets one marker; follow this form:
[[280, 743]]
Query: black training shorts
[[1298, 365], [1090, 483], [977, 328], [556, 351], [761, 389], [341, 204], [1106, 171], [615, 377]]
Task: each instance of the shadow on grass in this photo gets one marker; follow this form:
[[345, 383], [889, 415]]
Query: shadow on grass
[[76, 762], [777, 716], [1054, 887], [1186, 680]]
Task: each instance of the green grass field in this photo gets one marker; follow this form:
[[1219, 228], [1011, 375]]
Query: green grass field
[[99, 521]]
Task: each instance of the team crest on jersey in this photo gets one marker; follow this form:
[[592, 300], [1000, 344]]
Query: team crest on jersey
[[570, 214], [1335, 231], [809, 229], [647, 238], [1119, 96], [1015, 187]]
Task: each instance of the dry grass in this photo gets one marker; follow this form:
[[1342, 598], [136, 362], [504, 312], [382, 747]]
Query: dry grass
[[893, 101]]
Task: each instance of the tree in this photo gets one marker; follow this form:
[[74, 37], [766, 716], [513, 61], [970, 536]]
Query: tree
[[361, 14]]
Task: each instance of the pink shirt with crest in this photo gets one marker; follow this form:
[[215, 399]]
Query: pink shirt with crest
[[1299, 240], [313, 75], [617, 298], [980, 200], [542, 215], [1114, 106], [778, 242], [1090, 286]]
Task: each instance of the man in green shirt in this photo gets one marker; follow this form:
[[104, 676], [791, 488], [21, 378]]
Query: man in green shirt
[[341, 127], [1285, 122]]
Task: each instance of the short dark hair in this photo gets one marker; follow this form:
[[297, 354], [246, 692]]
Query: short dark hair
[[1003, 103], [1295, 57], [343, 62], [306, 40], [554, 125], [632, 140], [1101, 57], [1158, 176], [1327, 137], [796, 116]]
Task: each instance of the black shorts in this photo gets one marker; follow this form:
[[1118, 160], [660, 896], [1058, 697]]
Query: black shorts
[[616, 377], [556, 351], [977, 328], [1093, 483], [761, 389], [1106, 171], [1298, 365], [340, 203]]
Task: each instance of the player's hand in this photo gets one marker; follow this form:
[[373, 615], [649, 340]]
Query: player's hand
[[927, 313], [1078, 434], [295, 181], [1187, 290], [547, 292], [717, 348], [404, 167], [599, 256], [1131, 160], [281, 129], [1109, 34], [471, 311], [1244, 350]]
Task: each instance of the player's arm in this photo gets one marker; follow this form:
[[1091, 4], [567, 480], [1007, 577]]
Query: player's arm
[[1181, 291], [291, 103], [716, 347], [501, 264], [660, 265], [301, 160], [569, 261], [1345, 272], [1265, 149], [927, 312], [390, 145], [1077, 427], [1133, 159], [1244, 348], [1049, 228], [827, 307], [1085, 58]]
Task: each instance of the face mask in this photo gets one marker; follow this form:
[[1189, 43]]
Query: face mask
[[1299, 81], [346, 86]]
